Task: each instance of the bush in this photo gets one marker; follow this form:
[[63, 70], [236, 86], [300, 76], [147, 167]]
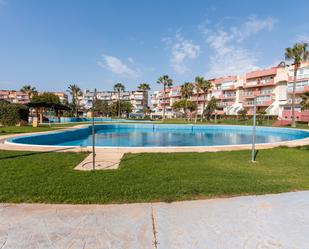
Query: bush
[[13, 114]]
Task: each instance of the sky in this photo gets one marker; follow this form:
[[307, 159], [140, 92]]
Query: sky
[[95, 44]]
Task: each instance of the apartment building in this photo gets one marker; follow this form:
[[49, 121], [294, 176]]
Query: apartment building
[[159, 100], [139, 99], [228, 93], [302, 86], [62, 96], [271, 88], [268, 86], [14, 96], [19, 97]]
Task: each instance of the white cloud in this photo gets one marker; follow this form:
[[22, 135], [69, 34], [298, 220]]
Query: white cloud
[[229, 55], [182, 50], [116, 66], [131, 60], [302, 38], [252, 26]]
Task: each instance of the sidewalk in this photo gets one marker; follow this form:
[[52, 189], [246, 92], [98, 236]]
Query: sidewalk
[[269, 221]]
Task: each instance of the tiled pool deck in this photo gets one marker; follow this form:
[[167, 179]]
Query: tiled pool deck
[[269, 221]]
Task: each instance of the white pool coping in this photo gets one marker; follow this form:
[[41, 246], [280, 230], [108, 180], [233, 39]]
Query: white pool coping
[[7, 145]]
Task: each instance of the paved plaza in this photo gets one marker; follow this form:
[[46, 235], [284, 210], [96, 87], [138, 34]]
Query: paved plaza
[[269, 221]]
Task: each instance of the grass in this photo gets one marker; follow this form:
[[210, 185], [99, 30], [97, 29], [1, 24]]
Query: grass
[[266, 122], [50, 178], [7, 130]]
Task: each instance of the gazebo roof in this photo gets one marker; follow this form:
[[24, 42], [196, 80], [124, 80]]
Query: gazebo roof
[[56, 106]]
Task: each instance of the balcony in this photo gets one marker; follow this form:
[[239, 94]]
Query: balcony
[[224, 96], [225, 104], [252, 94], [298, 90], [258, 103], [297, 101], [198, 99], [259, 83]]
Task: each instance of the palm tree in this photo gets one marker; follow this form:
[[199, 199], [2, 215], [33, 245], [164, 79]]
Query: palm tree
[[202, 85], [305, 101], [119, 88], [145, 88], [29, 90], [167, 82], [298, 53], [186, 91], [75, 91]]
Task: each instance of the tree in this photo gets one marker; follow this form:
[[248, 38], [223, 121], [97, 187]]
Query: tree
[[261, 115], [102, 107], [202, 85], [29, 90], [13, 114], [305, 101], [184, 104], [145, 88], [46, 97], [125, 107], [211, 107], [298, 53], [167, 82], [243, 114], [75, 92], [186, 91], [119, 88]]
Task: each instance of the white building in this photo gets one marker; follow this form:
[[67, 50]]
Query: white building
[[138, 99]]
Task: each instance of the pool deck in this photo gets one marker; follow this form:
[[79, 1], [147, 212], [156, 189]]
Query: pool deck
[[268, 221]]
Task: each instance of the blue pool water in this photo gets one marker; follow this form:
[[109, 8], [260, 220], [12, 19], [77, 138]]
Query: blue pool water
[[149, 135]]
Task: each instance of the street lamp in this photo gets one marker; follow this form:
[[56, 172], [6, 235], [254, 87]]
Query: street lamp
[[253, 131], [93, 130]]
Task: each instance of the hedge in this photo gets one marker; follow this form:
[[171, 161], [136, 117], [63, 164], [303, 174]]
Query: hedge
[[13, 114]]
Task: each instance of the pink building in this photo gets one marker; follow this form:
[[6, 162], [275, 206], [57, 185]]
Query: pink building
[[225, 91], [268, 86], [14, 96]]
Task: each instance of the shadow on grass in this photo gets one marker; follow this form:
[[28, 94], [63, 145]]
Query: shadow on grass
[[32, 153], [256, 154]]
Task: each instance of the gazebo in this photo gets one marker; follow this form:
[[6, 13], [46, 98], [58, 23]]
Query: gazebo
[[41, 106]]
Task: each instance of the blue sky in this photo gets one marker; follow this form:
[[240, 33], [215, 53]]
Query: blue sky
[[95, 44]]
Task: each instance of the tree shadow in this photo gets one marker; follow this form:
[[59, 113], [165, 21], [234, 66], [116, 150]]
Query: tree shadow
[[256, 154], [26, 154]]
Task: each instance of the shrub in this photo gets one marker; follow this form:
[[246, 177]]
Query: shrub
[[13, 114]]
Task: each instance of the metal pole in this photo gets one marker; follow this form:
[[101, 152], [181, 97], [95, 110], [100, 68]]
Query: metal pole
[[93, 132], [253, 131]]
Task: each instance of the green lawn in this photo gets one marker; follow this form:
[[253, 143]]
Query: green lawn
[[50, 178], [7, 130]]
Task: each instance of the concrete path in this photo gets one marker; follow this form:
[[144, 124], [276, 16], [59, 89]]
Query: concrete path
[[263, 222], [102, 161]]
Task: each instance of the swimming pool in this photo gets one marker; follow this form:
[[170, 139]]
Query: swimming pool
[[151, 135]]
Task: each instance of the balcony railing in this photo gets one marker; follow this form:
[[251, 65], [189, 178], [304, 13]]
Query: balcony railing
[[259, 83], [299, 89], [259, 103]]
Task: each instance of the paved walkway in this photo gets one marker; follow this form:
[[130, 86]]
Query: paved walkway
[[102, 161], [268, 222]]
